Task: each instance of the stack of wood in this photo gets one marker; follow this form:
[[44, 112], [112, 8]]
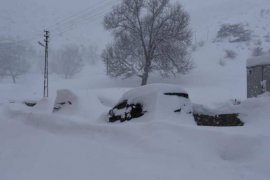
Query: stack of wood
[[218, 120]]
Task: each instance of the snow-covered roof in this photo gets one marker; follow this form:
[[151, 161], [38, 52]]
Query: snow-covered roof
[[260, 60]]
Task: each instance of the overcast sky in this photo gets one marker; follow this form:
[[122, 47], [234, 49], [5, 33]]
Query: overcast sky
[[80, 21]]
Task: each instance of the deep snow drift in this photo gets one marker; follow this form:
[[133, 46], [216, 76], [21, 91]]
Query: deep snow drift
[[79, 144]]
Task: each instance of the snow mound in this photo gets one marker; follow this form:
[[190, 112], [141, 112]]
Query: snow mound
[[253, 112], [45, 105], [106, 101], [66, 101], [68, 148], [154, 101]]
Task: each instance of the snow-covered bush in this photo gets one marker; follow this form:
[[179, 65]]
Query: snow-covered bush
[[195, 46], [230, 54], [234, 33], [257, 51]]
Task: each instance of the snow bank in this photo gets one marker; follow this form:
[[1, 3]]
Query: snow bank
[[49, 147], [53, 146], [254, 112], [45, 105], [85, 107]]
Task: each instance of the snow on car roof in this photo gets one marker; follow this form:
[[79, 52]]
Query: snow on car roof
[[260, 60], [152, 88]]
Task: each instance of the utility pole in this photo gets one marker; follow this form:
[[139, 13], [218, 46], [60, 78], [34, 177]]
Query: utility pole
[[46, 68], [107, 66]]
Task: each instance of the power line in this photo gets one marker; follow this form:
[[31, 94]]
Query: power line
[[75, 24], [71, 22], [85, 20], [80, 15]]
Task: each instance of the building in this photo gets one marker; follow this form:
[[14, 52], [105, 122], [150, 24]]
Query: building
[[258, 75]]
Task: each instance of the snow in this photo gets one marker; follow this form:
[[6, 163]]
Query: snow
[[260, 60], [78, 143], [45, 105], [66, 101], [157, 105], [152, 89], [46, 145]]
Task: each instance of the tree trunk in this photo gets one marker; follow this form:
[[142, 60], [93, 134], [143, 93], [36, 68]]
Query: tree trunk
[[144, 78], [13, 79], [146, 73]]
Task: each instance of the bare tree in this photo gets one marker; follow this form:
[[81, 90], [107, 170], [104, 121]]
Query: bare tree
[[90, 54], [67, 61], [149, 35], [235, 33], [14, 59]]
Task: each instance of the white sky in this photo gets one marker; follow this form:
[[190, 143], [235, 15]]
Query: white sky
[[27, 18]]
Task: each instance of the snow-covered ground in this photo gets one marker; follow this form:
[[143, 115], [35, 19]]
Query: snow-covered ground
[[80, 144]]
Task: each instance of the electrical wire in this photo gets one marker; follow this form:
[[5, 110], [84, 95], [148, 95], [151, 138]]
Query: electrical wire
[[91, 19], [71, 22], [82, 17], [80, 13]]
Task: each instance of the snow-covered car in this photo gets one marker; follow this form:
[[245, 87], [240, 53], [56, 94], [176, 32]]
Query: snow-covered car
[[163, 101]]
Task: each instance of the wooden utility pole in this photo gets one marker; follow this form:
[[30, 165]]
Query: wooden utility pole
[[46, 73], [46, 67]]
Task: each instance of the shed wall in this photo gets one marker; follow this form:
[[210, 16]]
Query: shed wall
[[266, 76], [254, 78], [255, 75]]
